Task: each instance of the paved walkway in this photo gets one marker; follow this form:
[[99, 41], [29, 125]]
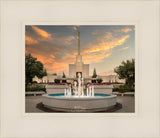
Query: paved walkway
[[126, 101]]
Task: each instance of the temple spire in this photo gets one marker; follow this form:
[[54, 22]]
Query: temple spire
[[79, 57], [78, 43]]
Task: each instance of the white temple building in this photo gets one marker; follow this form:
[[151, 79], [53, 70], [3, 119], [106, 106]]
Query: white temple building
[[111, 78], [79, 66]]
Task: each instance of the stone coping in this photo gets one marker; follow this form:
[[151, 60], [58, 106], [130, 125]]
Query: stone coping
[[103, 86], [56, 86], [96, 110], [33, 92], [66, 86], [124, 93], [79, 98]]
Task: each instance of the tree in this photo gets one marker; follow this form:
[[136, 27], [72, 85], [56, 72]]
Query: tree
[[64, 76], [94, 76], [94, 73], [127, 71], [33, 68]]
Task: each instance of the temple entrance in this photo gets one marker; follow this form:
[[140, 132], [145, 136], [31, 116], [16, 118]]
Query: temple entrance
[[77, 74]]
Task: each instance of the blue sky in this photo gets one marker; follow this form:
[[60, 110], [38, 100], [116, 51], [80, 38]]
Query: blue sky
[[103, 47]]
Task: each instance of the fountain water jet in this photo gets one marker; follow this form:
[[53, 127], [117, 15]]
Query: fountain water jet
[[78, 90]]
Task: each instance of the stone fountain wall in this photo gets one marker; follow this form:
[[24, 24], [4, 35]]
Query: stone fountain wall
[[55, 89], [103, 89]]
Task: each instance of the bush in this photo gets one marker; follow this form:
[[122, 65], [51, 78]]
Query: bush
[[33, 87], [57, 81], [34, 82], [99, 80], [64, 81], [116, 89], [93, 81], [124, 88]]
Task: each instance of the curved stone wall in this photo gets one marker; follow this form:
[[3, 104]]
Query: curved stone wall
[[71, 103]]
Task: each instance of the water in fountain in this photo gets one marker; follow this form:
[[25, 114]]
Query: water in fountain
[[79, 89]]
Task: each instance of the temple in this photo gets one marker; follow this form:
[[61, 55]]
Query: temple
[[74, 69], [79, 66]]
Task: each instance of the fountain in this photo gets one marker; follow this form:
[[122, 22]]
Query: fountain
[[78, 90], [76, 99]]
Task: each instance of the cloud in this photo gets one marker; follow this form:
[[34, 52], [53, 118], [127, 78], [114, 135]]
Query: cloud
[[67, 40], [124, 48], [41, 32], [125, 30], [40, 35], [76, 27], [97, 51], [61, 41], [52, 56], [50, 63], [88, 59], [29, 41]]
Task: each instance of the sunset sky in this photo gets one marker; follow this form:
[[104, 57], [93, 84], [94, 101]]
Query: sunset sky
[[103, 47]]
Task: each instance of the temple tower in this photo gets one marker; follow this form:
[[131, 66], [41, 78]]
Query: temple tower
[[79, 66]]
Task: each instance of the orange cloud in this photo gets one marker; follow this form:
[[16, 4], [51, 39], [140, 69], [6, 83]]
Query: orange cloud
[[126, 30], [29, 40], [124, 48], [50, 63], [107, 45], [64, 40], [76, 27], [68, 40], [41, 32], [88, 59], [52, 56]]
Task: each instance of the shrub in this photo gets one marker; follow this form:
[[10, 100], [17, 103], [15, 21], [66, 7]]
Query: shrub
[[124, 88], [93, 81], [64, 81], [116, 89], [33, 87], [34, 82], [57, 81], [99, 80]]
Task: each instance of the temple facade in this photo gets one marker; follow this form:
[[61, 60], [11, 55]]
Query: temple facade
[[79, 66]]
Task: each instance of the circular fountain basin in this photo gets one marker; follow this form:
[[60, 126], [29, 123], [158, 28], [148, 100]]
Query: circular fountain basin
[[98, 102]]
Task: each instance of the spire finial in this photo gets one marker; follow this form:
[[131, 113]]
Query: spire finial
[[78, 43]]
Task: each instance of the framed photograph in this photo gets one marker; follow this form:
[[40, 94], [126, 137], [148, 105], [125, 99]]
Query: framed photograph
[[80, 69], [101, 72]]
